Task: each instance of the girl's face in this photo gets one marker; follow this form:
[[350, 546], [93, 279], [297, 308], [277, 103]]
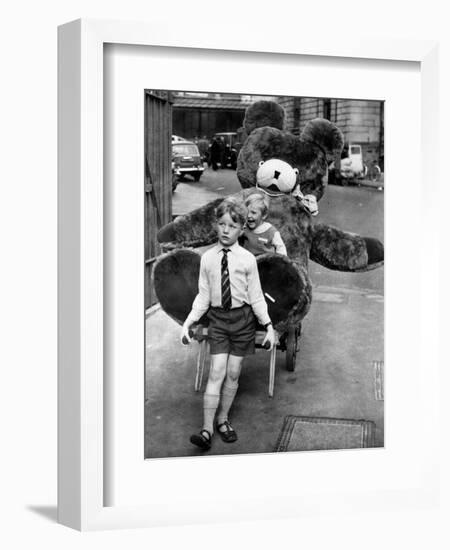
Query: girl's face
[[228, 231], [254, 217]]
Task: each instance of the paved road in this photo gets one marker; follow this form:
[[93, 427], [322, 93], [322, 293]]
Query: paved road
[[190, 194]]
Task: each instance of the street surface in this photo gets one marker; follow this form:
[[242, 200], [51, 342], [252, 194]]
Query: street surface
[[190, 194]]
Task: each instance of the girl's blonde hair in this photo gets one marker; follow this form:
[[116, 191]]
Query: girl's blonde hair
[[260, 201]]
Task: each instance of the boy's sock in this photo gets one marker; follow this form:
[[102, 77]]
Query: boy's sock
[[229, 390], [210, 404]]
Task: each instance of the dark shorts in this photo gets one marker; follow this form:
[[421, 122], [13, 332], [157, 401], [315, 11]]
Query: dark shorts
[[232, 331]]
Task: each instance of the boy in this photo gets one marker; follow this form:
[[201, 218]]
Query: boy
[[230, 289], [260, 236]]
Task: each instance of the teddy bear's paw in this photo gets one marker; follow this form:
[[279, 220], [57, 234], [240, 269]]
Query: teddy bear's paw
[[175, 278], [194, 229], [375, 253], [286, 288], [167, 233], [345, 251]]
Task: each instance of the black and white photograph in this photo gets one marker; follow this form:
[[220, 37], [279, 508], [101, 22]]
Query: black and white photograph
[[264, 277]]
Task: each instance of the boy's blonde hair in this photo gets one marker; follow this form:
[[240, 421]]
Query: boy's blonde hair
[[258, 201], [235, 208]]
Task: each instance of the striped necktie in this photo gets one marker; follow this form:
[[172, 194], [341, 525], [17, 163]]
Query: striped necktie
[[226, 291]]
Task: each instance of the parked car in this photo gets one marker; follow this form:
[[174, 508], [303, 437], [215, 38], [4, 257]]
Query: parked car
[[228, 150], [186, 160], [177, 138], [351, 166]]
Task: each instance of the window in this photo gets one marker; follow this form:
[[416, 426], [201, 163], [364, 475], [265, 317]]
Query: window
[[186, 149], [327, 109]]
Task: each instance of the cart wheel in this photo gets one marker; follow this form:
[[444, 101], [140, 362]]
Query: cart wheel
[[291, 348]]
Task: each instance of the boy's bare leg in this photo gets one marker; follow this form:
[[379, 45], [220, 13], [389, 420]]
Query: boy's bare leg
[[211, 397], [229, 387]]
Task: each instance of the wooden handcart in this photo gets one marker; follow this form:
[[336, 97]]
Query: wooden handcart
[[287, 342]]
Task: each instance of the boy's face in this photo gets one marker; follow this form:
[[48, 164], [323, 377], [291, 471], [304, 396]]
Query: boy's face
[[228, 231], [254, 217]]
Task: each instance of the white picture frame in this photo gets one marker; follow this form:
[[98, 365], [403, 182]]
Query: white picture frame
[[81, 479]]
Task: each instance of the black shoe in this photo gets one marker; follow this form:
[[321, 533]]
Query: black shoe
[[228, 435], [202, 440]]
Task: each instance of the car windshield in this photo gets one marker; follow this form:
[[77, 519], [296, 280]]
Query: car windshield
[[186, 149], [227, 138]]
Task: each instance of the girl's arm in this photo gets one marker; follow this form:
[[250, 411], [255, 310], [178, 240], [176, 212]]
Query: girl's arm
[[278, 243]]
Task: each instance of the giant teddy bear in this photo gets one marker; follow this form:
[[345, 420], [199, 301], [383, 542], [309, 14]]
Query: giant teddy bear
[[285, 280]]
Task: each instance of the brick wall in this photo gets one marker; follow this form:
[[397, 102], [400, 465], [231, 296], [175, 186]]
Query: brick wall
[[359, 120], [290, 106], [310, 108]]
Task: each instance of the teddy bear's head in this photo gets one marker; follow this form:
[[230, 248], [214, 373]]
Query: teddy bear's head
[[318, 145]]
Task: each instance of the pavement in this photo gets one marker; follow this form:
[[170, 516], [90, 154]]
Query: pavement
[[190, 195], [337, 372]]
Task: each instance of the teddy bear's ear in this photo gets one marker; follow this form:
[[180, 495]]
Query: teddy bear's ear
[[261, 162], [296, 171], [263, 113], [325, 134]]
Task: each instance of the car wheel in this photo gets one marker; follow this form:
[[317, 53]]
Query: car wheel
[[197, 176]]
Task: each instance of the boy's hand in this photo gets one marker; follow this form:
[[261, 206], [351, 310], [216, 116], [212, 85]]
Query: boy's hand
[[186, 334], [269, 338]]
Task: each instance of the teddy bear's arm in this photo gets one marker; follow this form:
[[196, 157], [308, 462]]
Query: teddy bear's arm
[[197, 228], [336, 249]]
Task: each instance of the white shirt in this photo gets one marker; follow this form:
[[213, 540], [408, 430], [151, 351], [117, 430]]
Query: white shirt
[[244, 283]]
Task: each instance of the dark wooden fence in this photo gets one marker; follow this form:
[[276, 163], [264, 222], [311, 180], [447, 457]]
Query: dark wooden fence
[[158, 178]]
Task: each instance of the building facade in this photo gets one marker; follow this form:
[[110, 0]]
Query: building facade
[[200, 114], [361, 121]]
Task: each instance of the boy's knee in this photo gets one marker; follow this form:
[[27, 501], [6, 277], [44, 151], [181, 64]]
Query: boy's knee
[[234, 368], [233, 377], [217, 373], [233, 373]]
